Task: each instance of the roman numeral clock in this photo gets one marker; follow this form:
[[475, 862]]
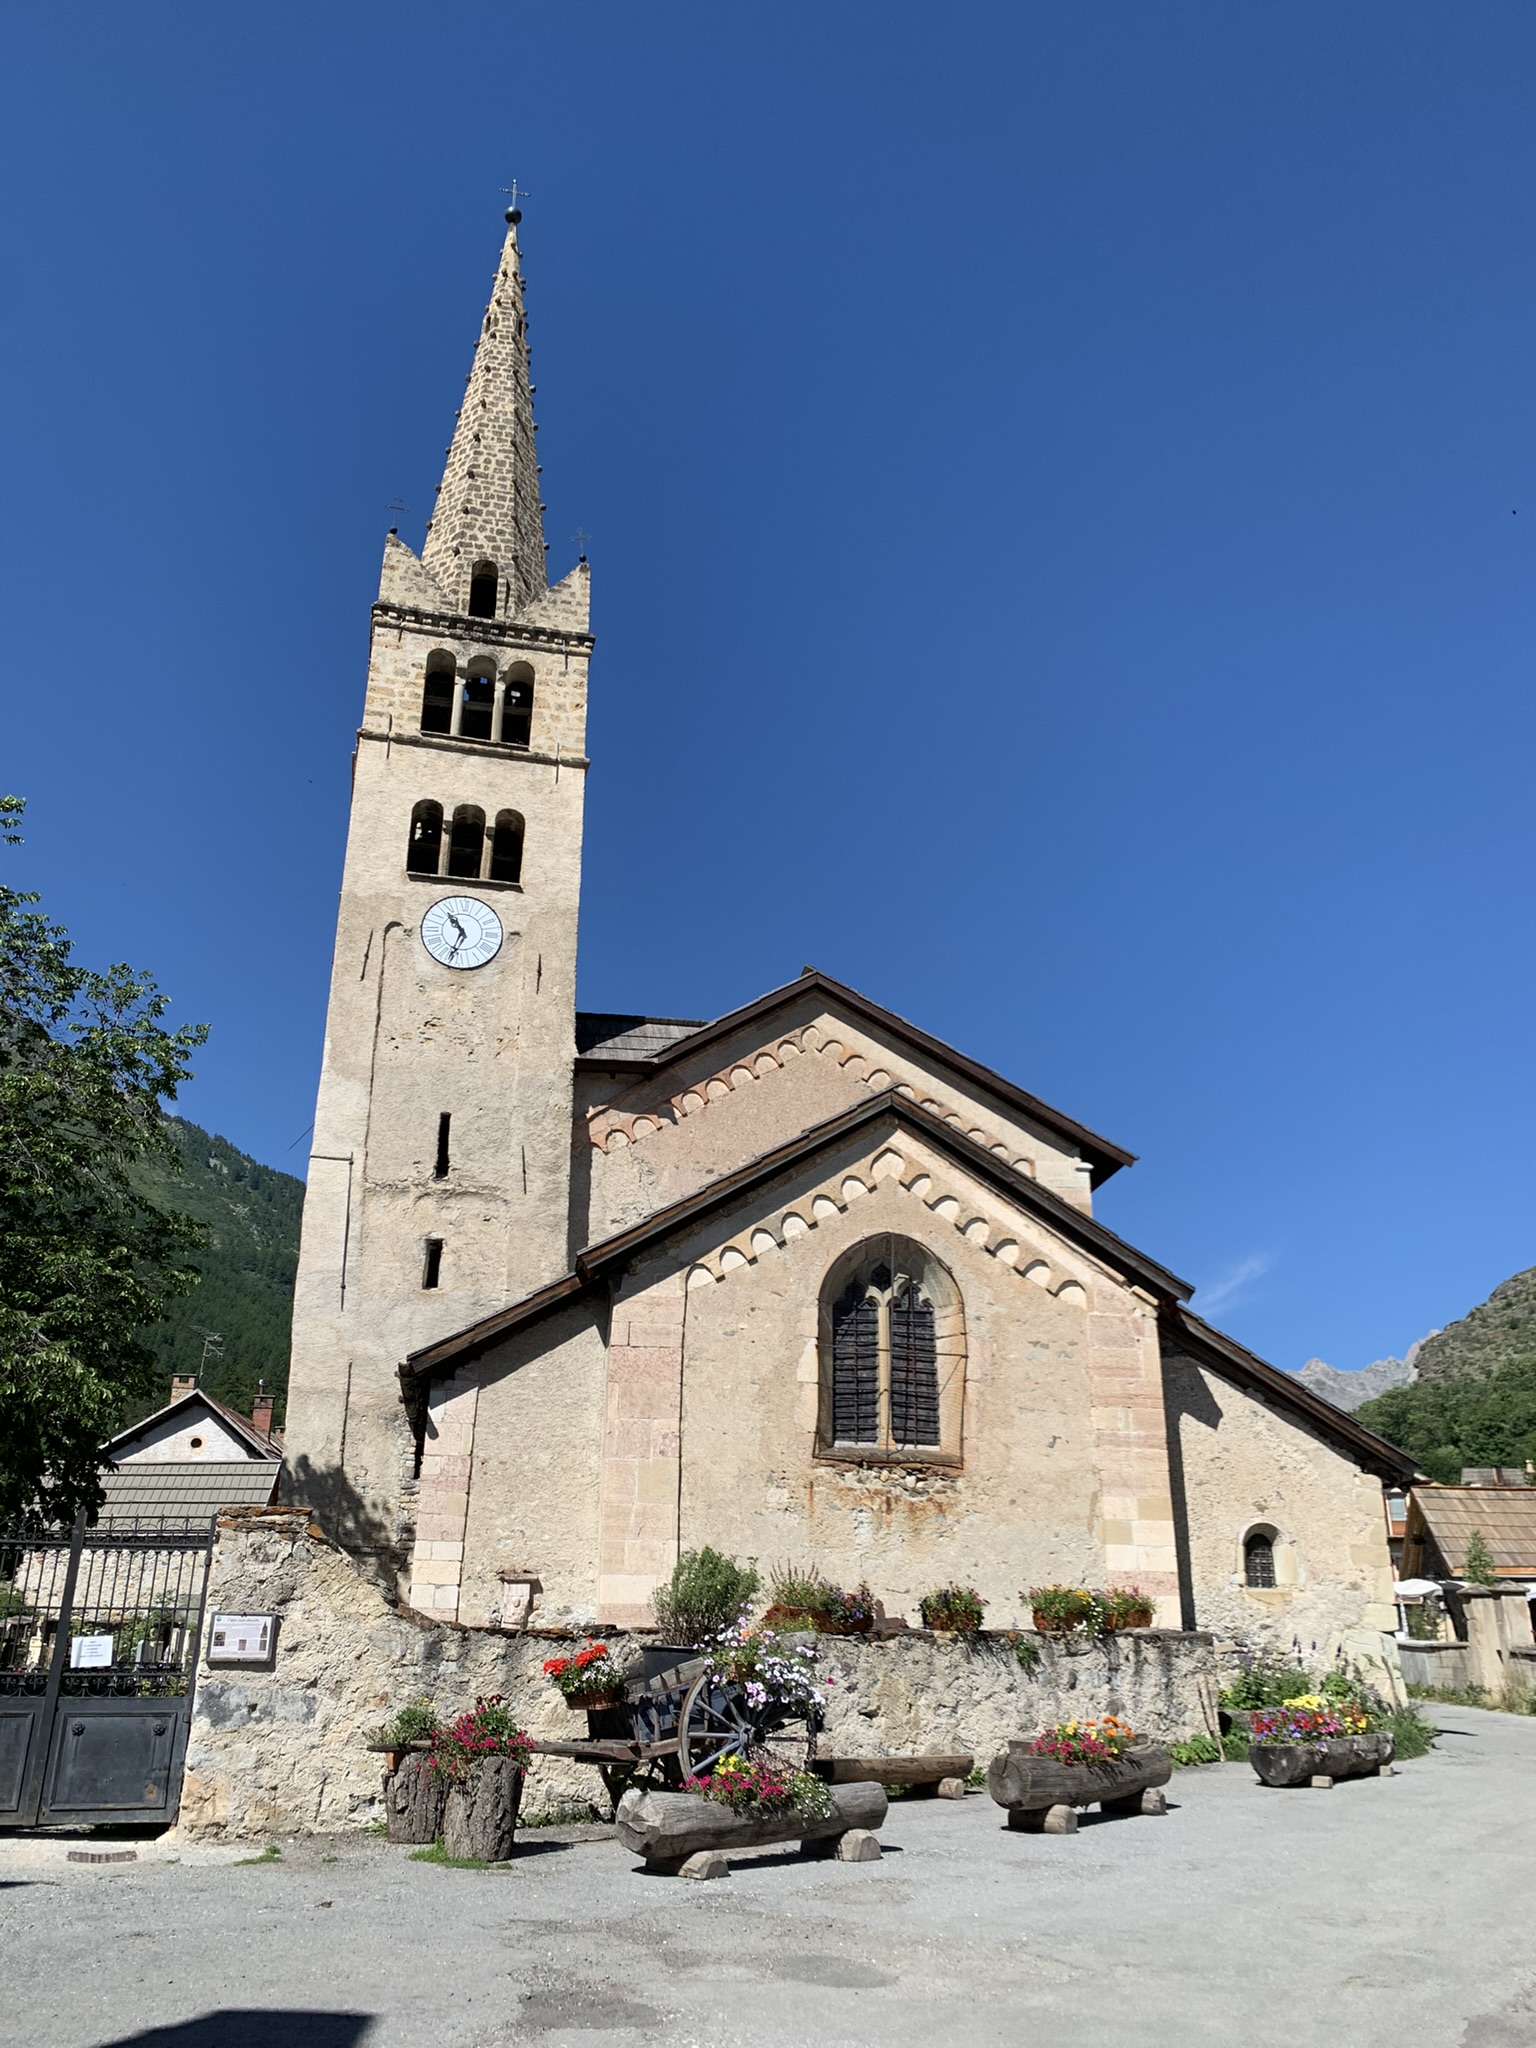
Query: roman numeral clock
[[461, 931]]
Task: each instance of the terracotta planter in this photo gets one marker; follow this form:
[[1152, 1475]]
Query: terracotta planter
[[592, 1702], [1056, 1625], [1140, 1617], [794, 1619]]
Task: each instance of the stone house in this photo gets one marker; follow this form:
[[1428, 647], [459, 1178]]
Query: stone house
[[579, 1291]]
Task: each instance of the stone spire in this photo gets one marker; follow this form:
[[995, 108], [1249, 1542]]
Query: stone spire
[[488, 506]]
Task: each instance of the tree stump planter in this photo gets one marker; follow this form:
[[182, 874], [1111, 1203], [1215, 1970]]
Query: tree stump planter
[[1333, 1756], [413, 1799], [1029, 1785], [480, 1812], [666, 1828]]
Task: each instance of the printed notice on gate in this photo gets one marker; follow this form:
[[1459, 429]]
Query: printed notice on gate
[[89, 1653]]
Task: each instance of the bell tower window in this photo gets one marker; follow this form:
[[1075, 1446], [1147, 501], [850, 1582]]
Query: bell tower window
[[507, 848], [517, 706], [424, 850], [437, 695], [482, 592], [466, 844], [479, 702]]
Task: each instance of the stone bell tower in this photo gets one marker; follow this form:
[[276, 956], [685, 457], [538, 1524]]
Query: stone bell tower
[[439, 1182]]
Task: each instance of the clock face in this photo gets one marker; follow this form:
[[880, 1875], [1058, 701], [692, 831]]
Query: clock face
[[461, 932]]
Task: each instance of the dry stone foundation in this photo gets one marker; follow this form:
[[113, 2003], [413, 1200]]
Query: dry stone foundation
[[283, 1751]]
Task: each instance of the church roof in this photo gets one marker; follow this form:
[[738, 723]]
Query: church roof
[[598, 1262], [1103, 1157], [606, 1038], [488, 502]]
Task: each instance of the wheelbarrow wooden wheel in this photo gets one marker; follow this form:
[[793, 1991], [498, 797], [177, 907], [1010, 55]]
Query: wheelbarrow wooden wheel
[[714, 1721]]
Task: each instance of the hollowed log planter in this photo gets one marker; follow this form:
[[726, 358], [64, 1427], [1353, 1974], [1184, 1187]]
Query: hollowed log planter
[[1029, 1785], [1334, 1756], [480, 1812], [413, 1799], [668, 1827]]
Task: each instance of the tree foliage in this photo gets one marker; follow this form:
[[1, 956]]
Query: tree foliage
[[87, 1260], [1447, 1424]]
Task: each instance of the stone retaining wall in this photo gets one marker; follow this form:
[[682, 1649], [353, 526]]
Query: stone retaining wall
[[283, 1751]]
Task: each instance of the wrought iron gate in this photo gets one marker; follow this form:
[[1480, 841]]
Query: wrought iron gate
[[99, 1631]]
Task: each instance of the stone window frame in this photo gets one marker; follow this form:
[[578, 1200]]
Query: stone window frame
[[906, 1257], [1287, 1576]]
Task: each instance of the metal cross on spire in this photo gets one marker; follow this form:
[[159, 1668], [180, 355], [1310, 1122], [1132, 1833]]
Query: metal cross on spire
[[515, 193]]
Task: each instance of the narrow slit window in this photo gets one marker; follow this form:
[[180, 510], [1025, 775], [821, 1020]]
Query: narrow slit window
[[507, 848], [466, 846], [444, 1123], [482, 591], [432, 1264], [424, 850]]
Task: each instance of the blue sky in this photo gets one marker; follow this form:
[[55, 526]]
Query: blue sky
[[1063, 503]]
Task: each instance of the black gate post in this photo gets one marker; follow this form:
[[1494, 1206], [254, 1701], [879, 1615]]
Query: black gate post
[[42, 1743]]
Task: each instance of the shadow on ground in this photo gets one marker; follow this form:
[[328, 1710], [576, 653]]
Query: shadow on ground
[[284, 2027]]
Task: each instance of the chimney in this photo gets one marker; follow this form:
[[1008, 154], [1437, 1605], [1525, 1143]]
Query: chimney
[[261, 1410], [183, 1383]]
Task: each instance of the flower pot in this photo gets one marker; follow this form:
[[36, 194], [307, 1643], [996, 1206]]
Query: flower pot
[[1057, 1624], [480, 1812], [794, 1620], [1028, 1783], [592, 1702]]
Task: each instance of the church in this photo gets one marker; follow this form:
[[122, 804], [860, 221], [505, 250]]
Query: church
[[578, 1292]]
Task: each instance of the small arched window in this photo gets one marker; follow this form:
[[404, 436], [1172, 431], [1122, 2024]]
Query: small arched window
[[892, 1352], [479, 702], [424, 851], [482, 591], [1259, 1558], [437, 695], [507, 848], [517, 706], [466, 842]]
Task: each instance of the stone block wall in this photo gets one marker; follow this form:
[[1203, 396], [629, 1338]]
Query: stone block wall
[[284, 1751]]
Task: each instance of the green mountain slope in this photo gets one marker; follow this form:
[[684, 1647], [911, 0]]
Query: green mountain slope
[[251, 1213], [1499, 1329], [1446, 1424]]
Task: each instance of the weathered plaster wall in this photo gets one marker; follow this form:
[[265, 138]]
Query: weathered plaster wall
[[1243, 1466], [283, 1752]]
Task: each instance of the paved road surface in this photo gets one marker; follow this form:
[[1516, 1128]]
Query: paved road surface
[[1392, 1913]]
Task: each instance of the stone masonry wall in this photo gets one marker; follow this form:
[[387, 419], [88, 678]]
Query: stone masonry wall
[[283, 1752]]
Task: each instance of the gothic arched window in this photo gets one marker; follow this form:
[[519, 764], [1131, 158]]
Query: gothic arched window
[[424, 849], [437, 695], [507, 848], [517, 706], [1259, 1558], [892, 1352], [466, 844], [482, 591]]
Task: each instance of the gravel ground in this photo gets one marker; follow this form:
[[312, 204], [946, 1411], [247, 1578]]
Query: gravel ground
[[1390, 1911]]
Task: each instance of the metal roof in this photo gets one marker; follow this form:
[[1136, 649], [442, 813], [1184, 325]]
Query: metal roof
[[603, 1034], [185, 1486]]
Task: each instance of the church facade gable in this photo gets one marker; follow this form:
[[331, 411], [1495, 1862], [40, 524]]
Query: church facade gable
[[1028, 1364], [706, 1112]]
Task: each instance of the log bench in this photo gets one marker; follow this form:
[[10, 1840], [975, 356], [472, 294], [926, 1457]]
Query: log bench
[[669, 1828], [925, 1773]]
